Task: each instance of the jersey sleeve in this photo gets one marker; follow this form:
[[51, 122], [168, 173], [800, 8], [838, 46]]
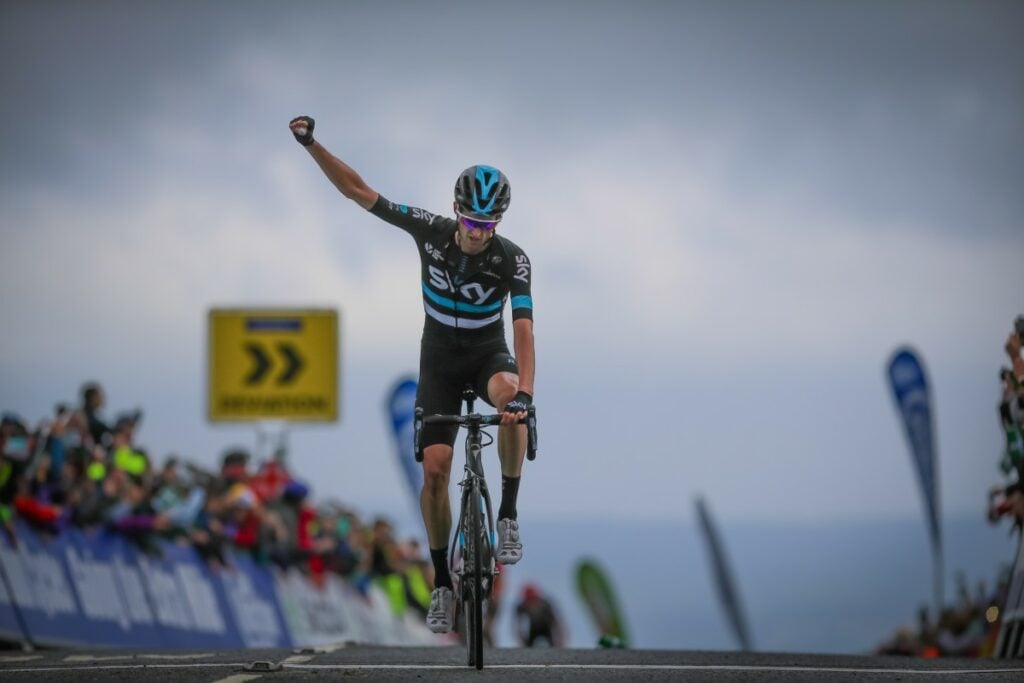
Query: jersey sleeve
[[417, 222], [519, 290]]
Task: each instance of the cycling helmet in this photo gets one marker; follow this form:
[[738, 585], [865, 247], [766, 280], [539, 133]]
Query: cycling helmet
[[482, 192]]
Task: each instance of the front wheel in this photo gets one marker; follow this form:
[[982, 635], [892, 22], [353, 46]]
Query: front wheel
[[473, 589]]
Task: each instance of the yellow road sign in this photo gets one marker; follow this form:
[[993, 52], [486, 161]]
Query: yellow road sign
[[272, 364]]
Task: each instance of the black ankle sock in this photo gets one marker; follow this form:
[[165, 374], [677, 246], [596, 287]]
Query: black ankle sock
[[509, 492], [439, 557]]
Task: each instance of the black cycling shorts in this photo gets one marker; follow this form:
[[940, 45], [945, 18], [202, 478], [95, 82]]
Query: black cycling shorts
[[444, 373]]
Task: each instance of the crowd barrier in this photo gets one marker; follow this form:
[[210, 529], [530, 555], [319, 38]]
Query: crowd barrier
[[82, 588], [1011, 635]]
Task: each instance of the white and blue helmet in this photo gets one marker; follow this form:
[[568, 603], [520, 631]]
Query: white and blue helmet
[[482, 192]]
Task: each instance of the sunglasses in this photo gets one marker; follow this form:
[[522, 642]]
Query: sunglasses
[[474, 224]]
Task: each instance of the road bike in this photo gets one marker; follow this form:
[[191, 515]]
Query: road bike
[[475, 538]]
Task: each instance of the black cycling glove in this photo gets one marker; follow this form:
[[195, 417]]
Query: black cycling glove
[[307, 139], [519, 404]]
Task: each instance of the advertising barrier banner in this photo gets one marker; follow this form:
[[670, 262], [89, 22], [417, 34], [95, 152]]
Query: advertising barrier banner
[[43, 591], [10, 628], [99, 589], [189, 608], [314, 615], [249, 589], [104, 573]]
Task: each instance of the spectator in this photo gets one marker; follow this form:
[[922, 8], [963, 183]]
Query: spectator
[[383, 548], [93, 401], [296, 531], [78, 469], [234, 469], [241, 518], [1013, 349], [1008, 499], [536, 620], [177, 497], [415, 569]]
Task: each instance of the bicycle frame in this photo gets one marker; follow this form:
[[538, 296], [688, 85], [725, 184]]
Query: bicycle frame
[[475, 529], [475, 492]]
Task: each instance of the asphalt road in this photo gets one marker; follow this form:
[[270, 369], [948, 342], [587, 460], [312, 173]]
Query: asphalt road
[[356, 663]]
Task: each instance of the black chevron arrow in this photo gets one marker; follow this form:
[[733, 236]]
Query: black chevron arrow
[[261, 366], [295, 363]]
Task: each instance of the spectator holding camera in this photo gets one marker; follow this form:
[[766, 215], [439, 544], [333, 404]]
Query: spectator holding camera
[[1009, 499], [1013, 347]]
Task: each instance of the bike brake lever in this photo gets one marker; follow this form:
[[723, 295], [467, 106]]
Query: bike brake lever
[[531, 433]]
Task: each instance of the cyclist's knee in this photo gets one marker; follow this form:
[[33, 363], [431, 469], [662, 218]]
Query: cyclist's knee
[[437, 467], [502, 388]]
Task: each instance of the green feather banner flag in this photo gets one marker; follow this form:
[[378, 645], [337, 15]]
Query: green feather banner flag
[[596, 591]]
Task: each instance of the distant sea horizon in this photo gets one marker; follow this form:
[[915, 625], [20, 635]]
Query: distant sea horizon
[[838, 588]]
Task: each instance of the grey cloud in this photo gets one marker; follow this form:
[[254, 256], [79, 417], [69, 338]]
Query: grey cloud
[[905, 113]]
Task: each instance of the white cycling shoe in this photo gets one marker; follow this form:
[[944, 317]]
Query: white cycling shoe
[[439, 616], [510, 550]]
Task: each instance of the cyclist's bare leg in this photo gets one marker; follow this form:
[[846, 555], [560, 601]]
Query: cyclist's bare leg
[[434, 503], [437, 517], [502, 388]]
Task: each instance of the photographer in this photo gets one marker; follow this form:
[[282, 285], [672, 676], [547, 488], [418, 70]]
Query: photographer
[[1013, 348], [1010, 499]]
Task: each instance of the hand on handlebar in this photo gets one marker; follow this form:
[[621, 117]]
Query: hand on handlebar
[[515, 410]]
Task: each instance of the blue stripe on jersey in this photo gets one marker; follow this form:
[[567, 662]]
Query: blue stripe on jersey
[[522, 301], [458, 305]]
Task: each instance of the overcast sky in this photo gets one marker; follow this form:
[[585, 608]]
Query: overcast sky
[[735, 211]]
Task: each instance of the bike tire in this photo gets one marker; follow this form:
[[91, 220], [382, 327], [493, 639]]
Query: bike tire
[[474, 613]]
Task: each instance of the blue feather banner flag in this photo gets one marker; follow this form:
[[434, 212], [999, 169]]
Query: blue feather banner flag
[[912, 393], [400, 407]]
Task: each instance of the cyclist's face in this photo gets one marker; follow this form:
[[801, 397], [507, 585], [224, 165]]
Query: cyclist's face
[[475, 235]]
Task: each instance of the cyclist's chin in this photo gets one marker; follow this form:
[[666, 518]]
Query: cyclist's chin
[[473, 247]]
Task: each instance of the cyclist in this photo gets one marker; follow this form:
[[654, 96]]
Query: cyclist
[[467, 271]]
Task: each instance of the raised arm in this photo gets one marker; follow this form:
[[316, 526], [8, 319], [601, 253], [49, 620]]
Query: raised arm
[[348, 182]]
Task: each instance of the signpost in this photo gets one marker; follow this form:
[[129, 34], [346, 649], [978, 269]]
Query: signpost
[[273, 366]]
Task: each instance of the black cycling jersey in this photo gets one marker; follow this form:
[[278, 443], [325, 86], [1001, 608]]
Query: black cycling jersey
[[463, 296]]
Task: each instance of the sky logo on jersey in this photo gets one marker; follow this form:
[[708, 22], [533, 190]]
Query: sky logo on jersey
[[473, 291], [467, 292], [523, 268]]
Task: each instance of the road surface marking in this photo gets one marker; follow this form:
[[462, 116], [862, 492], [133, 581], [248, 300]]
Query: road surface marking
[[662, 667], [112, 658], [297, 659], [20, 658], [122, 667], [596, 667], [94, 658]]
